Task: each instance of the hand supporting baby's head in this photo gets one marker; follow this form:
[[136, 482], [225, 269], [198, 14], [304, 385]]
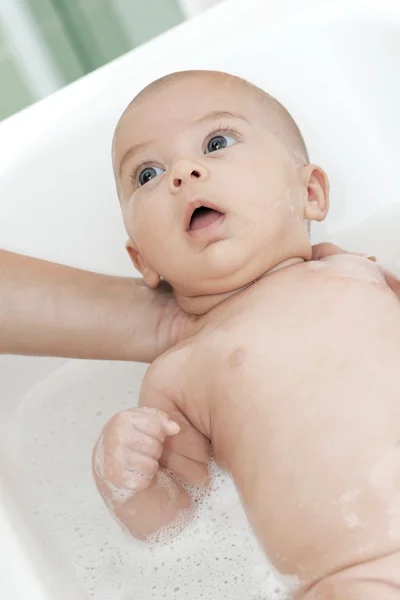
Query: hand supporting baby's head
[[215, 185]]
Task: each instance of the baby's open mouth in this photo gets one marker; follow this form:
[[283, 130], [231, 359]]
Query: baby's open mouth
[[203, 217]]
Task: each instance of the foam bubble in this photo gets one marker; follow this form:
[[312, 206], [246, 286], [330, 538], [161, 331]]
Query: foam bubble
[[213, 554]]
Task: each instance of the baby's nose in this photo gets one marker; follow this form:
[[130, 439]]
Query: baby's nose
[[183, 172]]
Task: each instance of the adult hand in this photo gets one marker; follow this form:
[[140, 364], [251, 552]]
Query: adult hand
[[165, 323]]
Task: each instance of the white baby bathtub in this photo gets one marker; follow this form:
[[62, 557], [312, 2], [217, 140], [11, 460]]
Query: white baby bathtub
[[335, 65]]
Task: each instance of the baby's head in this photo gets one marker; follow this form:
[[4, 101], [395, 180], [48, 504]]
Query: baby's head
[[215, 185]]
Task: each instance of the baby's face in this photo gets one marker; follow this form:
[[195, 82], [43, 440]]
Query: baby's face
[[211, 199]]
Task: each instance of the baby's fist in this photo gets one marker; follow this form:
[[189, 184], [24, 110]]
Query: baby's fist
[[127, 453]]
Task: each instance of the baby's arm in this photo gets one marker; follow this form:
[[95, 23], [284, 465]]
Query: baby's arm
[[132, 458]]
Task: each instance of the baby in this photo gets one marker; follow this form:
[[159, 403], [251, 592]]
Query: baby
[[291, 368]]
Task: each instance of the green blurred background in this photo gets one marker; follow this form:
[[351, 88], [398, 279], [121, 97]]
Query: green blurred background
[[45, 44]]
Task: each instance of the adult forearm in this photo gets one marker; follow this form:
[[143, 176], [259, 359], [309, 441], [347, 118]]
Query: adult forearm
[[53, 310]]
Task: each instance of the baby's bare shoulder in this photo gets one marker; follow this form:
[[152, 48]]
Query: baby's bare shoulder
[[163, 371], [348, 266]]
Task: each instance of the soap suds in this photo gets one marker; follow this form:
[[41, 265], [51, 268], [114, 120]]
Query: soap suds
[[352, 520]]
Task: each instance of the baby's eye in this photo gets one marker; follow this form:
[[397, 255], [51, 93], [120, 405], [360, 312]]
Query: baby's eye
[[218, 142], [147, 174]]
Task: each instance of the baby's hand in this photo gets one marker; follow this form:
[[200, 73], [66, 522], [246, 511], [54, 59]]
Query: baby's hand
[[127, 453]]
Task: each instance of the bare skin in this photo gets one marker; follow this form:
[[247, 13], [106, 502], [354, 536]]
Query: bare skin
[[290, 374], [48, 309]]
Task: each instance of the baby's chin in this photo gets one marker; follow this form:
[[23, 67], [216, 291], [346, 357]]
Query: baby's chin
[[200, 305], [202, 299]]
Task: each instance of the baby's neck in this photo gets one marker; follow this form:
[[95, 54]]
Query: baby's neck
[[200, 305]]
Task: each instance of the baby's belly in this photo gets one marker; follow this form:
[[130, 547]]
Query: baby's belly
[[321, 497], [316, 460]]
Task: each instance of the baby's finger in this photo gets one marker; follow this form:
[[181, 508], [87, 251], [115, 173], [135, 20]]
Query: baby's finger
[[131, 470], [139, 471], [171, 427], [141, 422], [145, 444], [156, 423]]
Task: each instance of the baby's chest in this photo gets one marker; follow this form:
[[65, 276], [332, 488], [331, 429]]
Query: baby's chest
[[228, 358], [272, 344]]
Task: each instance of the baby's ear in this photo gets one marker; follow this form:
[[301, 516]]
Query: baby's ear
[[151, 278], [316, 183]]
